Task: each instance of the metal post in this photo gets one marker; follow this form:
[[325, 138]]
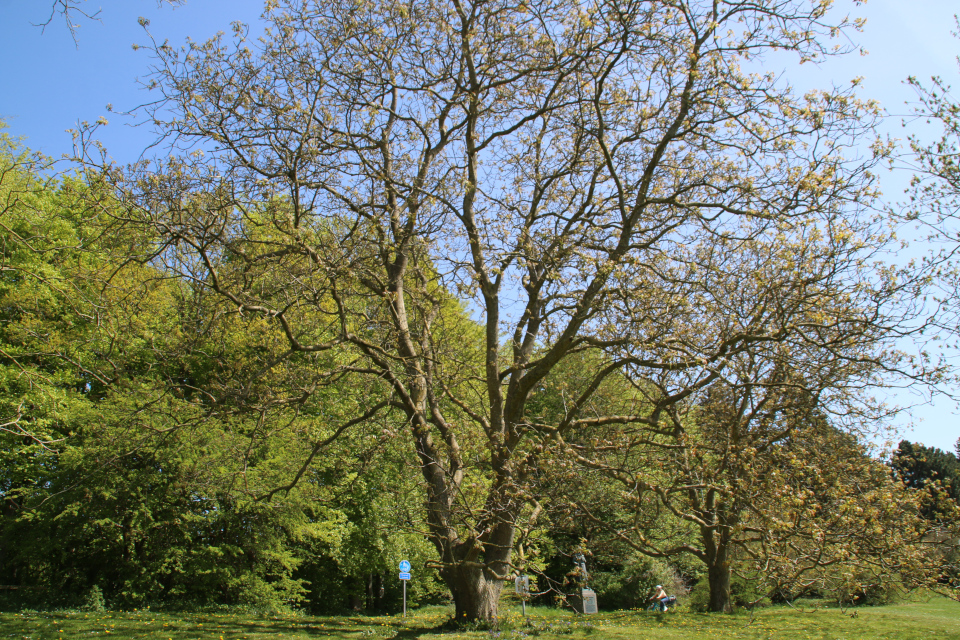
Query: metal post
[[524, 600], [404, 598]]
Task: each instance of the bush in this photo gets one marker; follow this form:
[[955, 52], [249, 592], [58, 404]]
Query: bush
[[873, 592], [93, 601], [631, 585]]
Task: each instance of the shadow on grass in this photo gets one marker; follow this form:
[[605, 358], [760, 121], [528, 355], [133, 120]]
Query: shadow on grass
[[382, 629]]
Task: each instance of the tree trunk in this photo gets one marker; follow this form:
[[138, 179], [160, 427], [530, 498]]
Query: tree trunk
[[356, 602], [476, 593], [9, 512], [378, 592], [474, 566], [718, 577], [717, 549], [374, 592]]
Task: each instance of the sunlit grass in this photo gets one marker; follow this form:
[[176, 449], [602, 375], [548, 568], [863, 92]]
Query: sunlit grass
[[932, 618]]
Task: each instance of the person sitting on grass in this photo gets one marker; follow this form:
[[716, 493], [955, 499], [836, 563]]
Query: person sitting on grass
[[661, 595]]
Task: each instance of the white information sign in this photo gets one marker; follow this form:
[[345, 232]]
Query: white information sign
[[522, 585]]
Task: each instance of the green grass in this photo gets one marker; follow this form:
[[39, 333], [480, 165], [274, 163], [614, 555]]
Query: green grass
[[933, 618]]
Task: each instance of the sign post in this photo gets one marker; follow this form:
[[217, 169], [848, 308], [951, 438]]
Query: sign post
[[404, 576], [522, 585]]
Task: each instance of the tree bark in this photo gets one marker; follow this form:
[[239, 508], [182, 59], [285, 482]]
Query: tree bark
[[476, 592], [716, 546], [475, 568], [718, 577]]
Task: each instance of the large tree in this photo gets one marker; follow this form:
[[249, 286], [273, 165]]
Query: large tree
[[551, 165], [706, 462]]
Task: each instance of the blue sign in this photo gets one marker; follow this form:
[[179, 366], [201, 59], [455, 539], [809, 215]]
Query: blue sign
[[404, 575], [405, 566]]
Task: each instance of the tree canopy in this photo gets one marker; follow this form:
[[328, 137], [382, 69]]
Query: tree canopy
[[408, 269], [581, 177]]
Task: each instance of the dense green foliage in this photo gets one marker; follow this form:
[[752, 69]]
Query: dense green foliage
[[928, 468], [146, 464]]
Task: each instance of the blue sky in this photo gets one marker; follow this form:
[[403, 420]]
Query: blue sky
[[49, 83]]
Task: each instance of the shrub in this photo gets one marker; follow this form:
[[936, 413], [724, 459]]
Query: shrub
[[629, 586], [93, 601]]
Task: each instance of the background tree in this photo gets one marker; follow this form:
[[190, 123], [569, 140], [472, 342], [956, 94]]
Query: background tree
[[24, 193], [928, 468], [705, 463], [125, 467], [808, 512], [548, 165], [847, 528]]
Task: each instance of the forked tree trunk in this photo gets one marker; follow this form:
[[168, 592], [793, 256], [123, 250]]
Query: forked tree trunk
[[476, 593], [475, 571], [474, 566]]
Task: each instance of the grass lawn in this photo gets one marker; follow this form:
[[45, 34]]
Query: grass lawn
[[933, 618]]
